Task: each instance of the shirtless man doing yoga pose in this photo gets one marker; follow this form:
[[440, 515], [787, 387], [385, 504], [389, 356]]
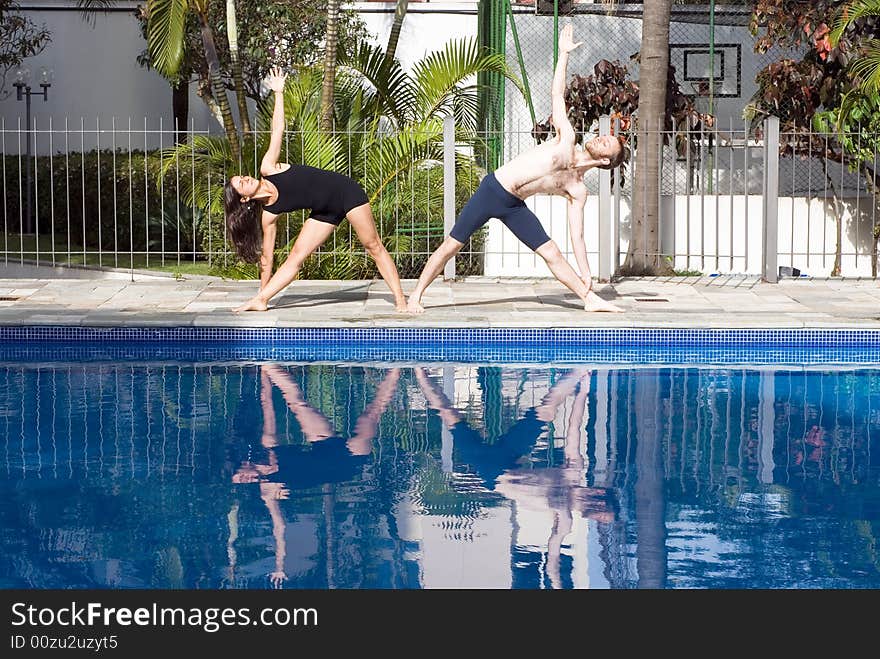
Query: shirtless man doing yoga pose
[[555, 167]]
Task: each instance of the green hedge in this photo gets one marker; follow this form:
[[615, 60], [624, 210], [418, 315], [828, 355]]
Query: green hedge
[[82, 197]]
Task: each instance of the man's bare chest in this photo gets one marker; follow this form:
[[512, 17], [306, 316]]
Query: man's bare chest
[[557, 183]]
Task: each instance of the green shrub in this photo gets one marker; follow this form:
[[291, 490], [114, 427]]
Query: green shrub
[[88, 202]]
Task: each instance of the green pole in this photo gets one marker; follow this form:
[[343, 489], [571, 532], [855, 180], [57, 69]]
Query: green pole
[[493, 136], [555, 33], [484, 79], [502, 81]]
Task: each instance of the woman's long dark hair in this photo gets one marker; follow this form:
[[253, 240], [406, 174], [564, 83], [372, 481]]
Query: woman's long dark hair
[[243, 224]]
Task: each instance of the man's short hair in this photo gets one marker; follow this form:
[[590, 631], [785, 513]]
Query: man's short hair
[[621, 155]]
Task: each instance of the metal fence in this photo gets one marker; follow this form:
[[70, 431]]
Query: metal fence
[[134, 196], [86, 193], [732, 201], [735, 200]]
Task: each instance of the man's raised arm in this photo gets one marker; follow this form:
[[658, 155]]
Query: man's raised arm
[[557, 89]]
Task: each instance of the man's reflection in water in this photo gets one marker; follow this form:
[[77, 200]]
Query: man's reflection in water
[[329, 457], [505, 467]]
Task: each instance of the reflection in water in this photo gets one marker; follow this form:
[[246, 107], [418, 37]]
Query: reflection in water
[[173, 475]]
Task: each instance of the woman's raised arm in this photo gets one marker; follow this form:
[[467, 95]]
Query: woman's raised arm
[[270, 158]]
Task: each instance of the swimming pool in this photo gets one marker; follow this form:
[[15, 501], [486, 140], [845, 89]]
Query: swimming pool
[[140, 466]]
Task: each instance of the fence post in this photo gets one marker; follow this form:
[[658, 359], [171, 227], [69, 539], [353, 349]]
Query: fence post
[[606, 217], [771, 201], [448, 187]]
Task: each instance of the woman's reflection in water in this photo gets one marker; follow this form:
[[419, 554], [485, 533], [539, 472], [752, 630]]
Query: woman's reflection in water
[[329, 457]]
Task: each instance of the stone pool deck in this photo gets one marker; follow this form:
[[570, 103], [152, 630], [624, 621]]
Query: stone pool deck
[[151, 300]]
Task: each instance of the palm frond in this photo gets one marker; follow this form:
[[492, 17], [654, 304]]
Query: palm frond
[[85, 7], [166, 28], [392, 93], [205, 158], [302, 96], [867, 66], [316, 147], [438, 78], [387, 156]]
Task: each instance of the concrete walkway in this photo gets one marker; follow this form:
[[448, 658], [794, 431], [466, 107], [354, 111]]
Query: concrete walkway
[[702, 302]]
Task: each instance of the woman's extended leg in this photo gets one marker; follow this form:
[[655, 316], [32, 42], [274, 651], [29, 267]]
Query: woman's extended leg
[[361, 219], [311, 236]]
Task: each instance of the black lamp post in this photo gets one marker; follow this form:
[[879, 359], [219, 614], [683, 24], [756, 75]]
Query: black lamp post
[[24, 91]]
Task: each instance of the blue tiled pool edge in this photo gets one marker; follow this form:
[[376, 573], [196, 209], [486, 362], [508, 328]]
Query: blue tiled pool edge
[[800, 346], [696, 337]]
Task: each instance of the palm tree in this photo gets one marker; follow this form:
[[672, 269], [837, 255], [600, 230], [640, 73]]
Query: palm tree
[[237, 77], [166, 31], [643, 255], [329, 66]]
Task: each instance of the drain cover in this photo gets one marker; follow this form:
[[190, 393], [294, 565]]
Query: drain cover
[[8, 298], [651, 299]]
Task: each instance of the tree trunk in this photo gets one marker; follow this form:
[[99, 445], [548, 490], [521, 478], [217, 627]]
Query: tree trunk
[[218, 89], [180, 108], [204, 93], [394, 35], [237, 77], [650, 497], [329, 66], [643, 256]]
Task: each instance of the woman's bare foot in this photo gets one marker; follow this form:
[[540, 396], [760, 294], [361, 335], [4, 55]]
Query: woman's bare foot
[[596, 303], [254, 304], [400, 306], [413, 306]]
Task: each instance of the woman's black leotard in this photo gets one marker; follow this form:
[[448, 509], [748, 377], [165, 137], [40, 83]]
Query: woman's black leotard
[[329, 196]]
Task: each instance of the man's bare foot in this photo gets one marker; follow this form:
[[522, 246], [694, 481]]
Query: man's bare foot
[[596, 303], [414, 307], [254, 304]]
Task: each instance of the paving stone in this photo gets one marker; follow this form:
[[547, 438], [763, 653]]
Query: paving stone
[[472, 302]]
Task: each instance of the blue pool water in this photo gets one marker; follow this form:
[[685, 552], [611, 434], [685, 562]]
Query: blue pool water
[[168, 473]]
